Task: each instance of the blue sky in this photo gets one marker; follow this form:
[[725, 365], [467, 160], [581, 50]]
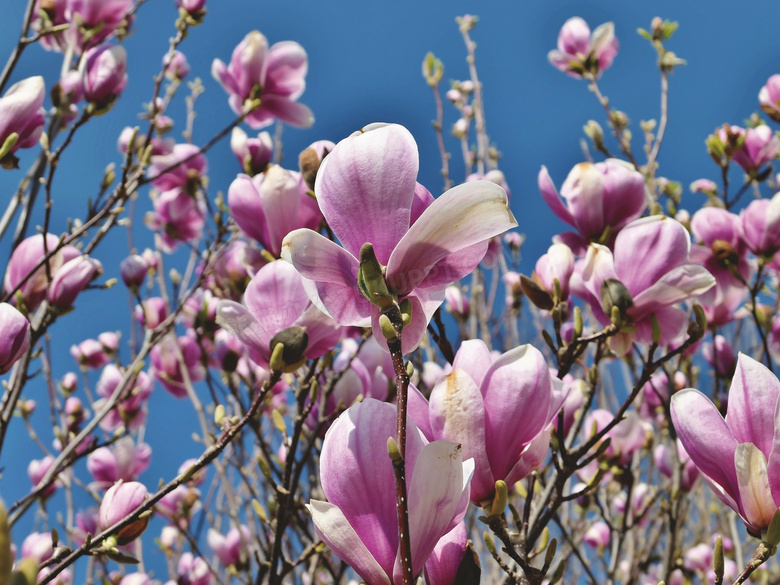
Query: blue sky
[[364, 66]]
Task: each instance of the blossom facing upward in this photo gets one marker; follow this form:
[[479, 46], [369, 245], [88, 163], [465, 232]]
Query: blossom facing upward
[[21, 115], [368, 193], [738, 456], [359, 521], [581, 52], [276, 75]]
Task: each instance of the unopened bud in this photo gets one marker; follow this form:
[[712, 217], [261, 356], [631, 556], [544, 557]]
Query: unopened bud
[[499, 499], [773, 531], [294, 340], [432, 70], [491, 546], [536, 294], [387, 328], [406, 312], [371, 279], [219, 414], [655, 327], [594, 131], [550, 555], [393, 450], [278, 421], [614, 294], [577, 322], [718, 563]]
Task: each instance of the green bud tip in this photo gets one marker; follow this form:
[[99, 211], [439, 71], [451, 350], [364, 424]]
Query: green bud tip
[[773, 531], [718, 564], [276, 363], [499, 498], [387, 328], [393, 450], [491, 546]]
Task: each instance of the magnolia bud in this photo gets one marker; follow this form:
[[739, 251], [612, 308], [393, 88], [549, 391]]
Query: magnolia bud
[[615, 294], [295, 340]]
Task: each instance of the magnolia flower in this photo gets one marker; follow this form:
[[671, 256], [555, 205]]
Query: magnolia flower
[[581, 52], [72, 278], [359, 521], [598, 196], [270, 205], [103, 74], [21, 115], [187, 176], [16, 336], [277, 76], [231, 549], [120, 501], [253, 154], [769, 97], [761, 226], [737, 456], [275, 300], [655, 285], [123, 460], [483, 404], [368, 193], [760, 145]]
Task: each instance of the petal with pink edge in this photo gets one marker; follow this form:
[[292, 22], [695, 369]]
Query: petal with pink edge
[[758, 505], [237, 320], [275, 296], [435, 490], [365, 188], [332, 273], [676, 285], [474, 358], [457, 414], [547, 187], [706, 437], [463, 217], [293, 113], [286, 67], [334, 530], [753, 398], [424, 305]]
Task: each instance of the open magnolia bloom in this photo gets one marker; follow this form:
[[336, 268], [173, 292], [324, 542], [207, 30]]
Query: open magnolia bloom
[[359, 521], [739, 456], [368, 193]]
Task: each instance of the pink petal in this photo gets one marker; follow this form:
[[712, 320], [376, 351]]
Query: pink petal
[[276, 297], [286, 110], [753, 398], [335, 531], [434, 492], [676, 285], [550, 196], [280, 197], [332, 273], [237, 320], [706, 437], [366, 185], [457, 414], [286, 68], [424, 305], [474, 358], [246, 208], [463, 217], [758, 506]]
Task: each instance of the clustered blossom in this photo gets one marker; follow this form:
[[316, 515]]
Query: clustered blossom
[[359, 522], [21, 118], [368, 193]]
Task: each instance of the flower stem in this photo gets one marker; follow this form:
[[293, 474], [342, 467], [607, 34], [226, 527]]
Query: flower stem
[[399, 465]]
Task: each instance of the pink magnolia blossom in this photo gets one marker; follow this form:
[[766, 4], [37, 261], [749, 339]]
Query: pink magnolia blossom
[[21, 114], [721, 250], [89, 354], [169, 369], [665, 461], [556, 264], [38, 546], [359, 521], [277, 76], [598, 535], [178, 216], [131, 410], [37, 470], [253, 154], [656, 285], [25, 257], [703, 186], [457, 302], [193, 570], [177, 66], [120, 501], [760, 146], [101, 17], [72, 278], [275, 300], [483, 404], [580, 52], [761, 226], [133, 271], [737, 456], [310, 160], [368, 193], [720, 355], [769, 97], [626, 437], [272, 204], [187, 176], [103, 74], [192, 6], [15, 340], [232, 548], [606, 194], [123, 460]]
